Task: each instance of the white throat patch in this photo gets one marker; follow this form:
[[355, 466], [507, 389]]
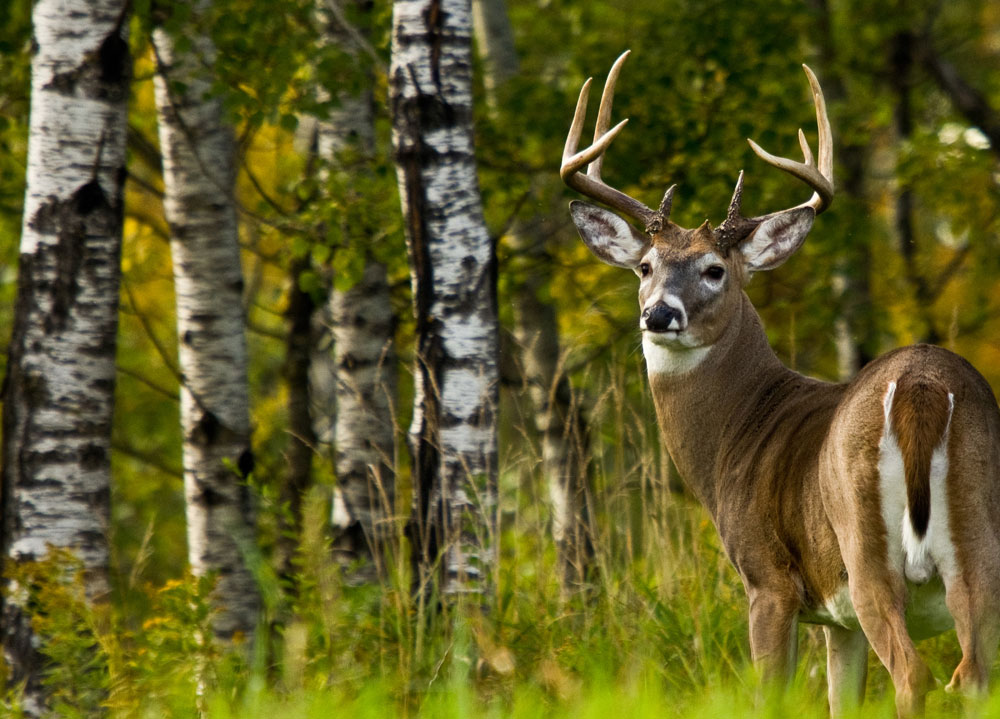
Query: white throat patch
[[661, 359]]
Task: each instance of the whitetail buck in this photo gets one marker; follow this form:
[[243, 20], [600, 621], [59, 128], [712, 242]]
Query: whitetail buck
[[871, 507]]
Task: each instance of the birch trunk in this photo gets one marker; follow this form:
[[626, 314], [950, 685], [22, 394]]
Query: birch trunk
[[558, 420], [198, 176], [453, 266], [363, 329], [58, 393], [302, 438]]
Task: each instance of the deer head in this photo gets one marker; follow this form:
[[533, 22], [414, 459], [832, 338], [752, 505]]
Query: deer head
[[690, 279]]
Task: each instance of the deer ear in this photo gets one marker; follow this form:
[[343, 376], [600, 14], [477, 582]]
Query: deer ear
[[777, 238], [608, 236]]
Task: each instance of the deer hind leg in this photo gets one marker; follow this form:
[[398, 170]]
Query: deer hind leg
[[978, 630], [974, 603], [879, 602]]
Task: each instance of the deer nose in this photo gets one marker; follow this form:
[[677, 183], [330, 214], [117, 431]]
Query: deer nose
[[662, 317]]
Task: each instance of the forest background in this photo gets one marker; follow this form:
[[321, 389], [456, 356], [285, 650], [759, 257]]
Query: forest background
[[646, 612]]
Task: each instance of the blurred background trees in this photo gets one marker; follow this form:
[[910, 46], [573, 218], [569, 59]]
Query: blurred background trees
[[908, 252]]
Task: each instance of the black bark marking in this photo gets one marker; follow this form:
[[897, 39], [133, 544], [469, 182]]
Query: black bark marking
[[207, 497], [89, 198], [113, 59], [28, 461], [434, 20], [207, 429], [104, 74], [88, 212], [93, 457], [245, 464], [34, 389]]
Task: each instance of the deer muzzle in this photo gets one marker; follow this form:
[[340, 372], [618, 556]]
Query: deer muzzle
[[661, 317]]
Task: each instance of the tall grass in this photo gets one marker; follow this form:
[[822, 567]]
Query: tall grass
[[660, 630]]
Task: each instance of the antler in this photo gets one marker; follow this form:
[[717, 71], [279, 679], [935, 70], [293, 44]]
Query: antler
[[591, 184], [820, 179]]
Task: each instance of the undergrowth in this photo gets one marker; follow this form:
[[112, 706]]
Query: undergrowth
[[659, 630]]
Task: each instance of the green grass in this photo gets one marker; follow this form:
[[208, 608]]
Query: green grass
[[660, 631]]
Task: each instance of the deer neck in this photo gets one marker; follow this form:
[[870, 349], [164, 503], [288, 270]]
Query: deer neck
[[700, 394]]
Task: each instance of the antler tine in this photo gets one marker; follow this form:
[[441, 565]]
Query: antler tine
[[807, 152], [737, 201], [735, 227], [576, 127], [591, 184], [604, 113], [820, 178]]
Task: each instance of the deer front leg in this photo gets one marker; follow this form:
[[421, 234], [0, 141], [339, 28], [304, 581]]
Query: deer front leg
[[846, 668], [774, 620]]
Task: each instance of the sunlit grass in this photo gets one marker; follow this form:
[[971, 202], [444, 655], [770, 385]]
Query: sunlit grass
[[660, 630]]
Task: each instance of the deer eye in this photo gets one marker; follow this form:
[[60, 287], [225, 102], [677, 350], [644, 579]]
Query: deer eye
[[644, 269], [715, 272]]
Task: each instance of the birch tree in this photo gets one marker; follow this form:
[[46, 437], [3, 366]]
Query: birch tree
[[59, 389], [453, 270], [557, 418], [198, 176], [361, 320]]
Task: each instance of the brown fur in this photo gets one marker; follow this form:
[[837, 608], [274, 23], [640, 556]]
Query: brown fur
[[788, 468], [919, 417]]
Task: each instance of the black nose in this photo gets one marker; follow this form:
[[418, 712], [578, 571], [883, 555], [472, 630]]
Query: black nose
[[661, 317]]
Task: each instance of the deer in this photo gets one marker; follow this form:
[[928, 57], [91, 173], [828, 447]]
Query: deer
[[870, 507]]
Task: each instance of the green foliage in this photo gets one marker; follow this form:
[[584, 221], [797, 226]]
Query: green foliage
[[661, 628], [54, 590], [15, 80]]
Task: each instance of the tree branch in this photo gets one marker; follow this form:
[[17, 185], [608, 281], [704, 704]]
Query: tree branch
[[146, 458], [171, 394]]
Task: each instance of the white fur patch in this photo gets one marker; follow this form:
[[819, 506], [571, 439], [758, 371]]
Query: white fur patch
[[927, 613], [919, 559], [892, 484], [838, 609], [671, 360]]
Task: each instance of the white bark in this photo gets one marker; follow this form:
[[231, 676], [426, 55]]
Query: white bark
[[453, 432], [363, 328], [58, 395], [198, 175]]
